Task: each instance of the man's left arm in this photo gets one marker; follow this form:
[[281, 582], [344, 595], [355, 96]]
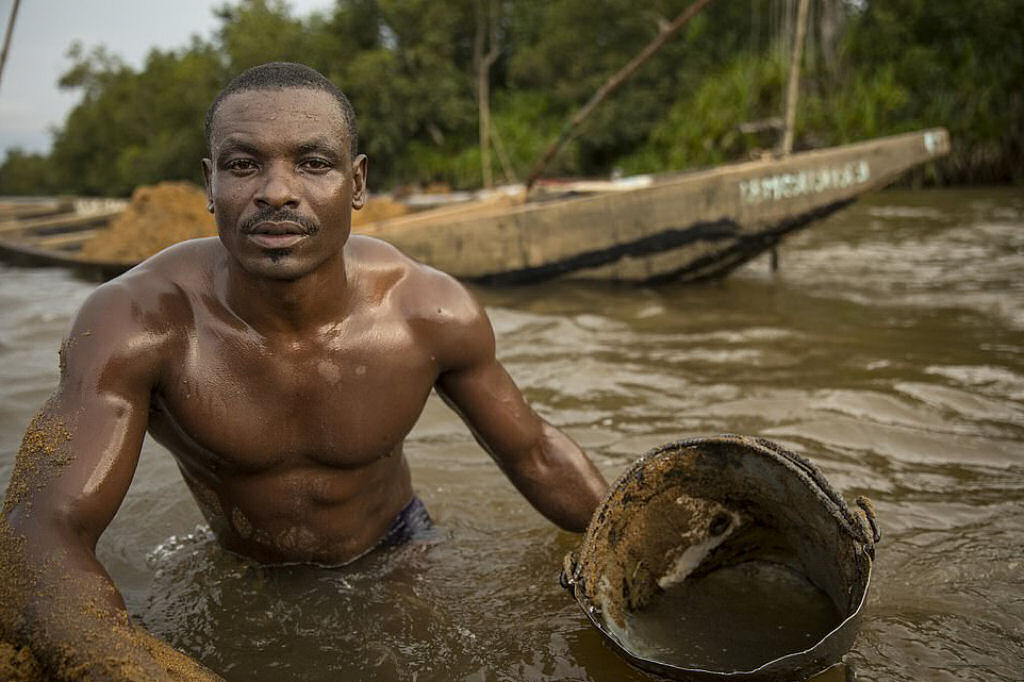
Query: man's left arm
[[544, 464]]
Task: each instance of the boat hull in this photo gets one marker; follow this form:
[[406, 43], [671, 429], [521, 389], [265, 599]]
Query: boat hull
[[682, 227]]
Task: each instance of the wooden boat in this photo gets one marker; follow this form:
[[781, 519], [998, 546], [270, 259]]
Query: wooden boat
[[682, 227], [49, 232]]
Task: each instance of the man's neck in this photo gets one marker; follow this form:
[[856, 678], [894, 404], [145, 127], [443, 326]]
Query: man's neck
[[290, 306]]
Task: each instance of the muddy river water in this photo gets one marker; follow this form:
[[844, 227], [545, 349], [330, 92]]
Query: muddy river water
[[889, 349]]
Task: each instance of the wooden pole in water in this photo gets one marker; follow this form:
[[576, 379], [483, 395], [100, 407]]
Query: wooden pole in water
[[793, 88], [792, 91], [610, 85], [486, 18], [7, 35]]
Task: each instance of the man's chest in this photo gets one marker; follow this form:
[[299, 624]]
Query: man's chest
[[252, 407]]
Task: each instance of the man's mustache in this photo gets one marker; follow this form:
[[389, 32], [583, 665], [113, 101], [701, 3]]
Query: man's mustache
[[280, 215]]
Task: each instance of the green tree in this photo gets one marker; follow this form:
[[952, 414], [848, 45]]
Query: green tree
[[26, 174], [567, 49], [872, 68], [257, 31], [961, 65], [135, 128], [411, 82]]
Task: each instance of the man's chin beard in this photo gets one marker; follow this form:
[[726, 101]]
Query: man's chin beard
[[278, 255]]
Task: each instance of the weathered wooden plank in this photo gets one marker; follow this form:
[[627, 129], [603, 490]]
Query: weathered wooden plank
[[64, 222], [63, 241], [22, 210], [19, 253]]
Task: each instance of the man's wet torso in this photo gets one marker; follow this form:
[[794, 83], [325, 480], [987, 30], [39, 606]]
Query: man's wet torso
[[293, 446]]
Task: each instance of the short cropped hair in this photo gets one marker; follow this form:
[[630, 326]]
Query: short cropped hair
[[280, 75]]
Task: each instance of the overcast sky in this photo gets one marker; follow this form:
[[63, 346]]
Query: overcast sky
[[30, 102]]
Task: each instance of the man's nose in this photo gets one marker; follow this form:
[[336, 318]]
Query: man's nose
[[277, 190]]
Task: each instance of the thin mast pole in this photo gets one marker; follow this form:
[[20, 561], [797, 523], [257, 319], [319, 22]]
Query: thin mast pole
[[792, 90], [611, 84], [7, 35], [794, 77]]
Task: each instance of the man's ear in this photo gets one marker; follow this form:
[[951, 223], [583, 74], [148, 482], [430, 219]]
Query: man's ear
[[207, 180], [358, 182]]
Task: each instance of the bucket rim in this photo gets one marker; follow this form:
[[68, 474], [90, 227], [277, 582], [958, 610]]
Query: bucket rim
[[659, 666], [860, 526]]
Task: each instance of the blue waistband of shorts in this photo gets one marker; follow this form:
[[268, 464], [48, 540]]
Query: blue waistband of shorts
[[411, 522]]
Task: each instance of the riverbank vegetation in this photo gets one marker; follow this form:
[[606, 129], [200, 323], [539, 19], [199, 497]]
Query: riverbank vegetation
[[422, 76]]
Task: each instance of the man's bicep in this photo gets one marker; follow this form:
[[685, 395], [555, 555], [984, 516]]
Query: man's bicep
[[472, 381], [491, 404], [79, 452], [77, 460], [544, 464]]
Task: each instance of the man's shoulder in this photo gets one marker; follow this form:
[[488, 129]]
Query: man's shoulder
[[183, 263], [130, 328], [157, 294], [418, 290], [439, 309]]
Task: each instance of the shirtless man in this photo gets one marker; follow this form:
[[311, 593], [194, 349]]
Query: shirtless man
[[282, 364]]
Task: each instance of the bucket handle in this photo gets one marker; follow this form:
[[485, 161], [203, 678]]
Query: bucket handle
[[568, 576], [867, 513]]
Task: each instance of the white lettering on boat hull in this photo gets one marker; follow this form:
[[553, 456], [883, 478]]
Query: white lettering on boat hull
[[779, 186]]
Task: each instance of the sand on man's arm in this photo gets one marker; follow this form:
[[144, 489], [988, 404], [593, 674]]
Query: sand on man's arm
[[59, 620]]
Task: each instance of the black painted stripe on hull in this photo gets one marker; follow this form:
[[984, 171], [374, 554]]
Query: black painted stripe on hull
[[710, 266]]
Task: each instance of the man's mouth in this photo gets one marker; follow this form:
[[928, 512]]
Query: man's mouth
[[277, 235], [278, 229]]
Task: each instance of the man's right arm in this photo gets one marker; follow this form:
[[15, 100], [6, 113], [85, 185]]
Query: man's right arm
[[74, 467]]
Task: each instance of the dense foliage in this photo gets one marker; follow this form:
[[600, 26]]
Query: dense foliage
[[712, 94]]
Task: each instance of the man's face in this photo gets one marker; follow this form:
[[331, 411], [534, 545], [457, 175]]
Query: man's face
[[282, 180]]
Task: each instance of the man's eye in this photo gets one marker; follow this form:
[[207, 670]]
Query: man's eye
[[240, 165], [316, 164]]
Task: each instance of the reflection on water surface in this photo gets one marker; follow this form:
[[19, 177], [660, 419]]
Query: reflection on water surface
[[889, 349]]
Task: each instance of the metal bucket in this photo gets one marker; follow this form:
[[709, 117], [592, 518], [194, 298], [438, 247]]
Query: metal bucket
[[707, 511]]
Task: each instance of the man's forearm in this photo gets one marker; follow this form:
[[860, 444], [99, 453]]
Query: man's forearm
[[57, 599], [561, 482], [544, 464]]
